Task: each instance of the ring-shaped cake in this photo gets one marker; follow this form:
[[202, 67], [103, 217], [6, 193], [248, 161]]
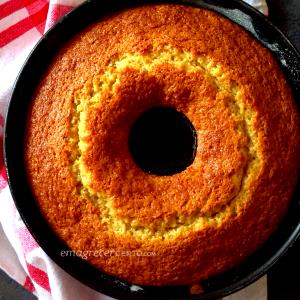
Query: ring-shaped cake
[[195, 223]]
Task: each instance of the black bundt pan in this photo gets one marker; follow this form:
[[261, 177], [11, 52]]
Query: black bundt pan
[[237, 278]]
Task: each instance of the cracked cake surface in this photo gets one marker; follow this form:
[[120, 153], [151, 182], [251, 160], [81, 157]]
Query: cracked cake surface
[[198, 222]]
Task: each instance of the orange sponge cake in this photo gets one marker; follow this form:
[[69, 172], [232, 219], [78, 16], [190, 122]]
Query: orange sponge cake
[[166, 136]]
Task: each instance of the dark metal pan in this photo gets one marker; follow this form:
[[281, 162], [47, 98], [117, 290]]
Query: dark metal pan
[[236, 278]]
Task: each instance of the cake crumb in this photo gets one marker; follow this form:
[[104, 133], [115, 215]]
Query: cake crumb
[[196, 289]]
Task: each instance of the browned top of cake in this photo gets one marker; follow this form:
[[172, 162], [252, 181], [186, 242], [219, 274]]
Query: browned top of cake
[[196, 223]]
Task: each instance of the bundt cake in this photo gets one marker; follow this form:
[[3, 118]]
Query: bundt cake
[[163, 142]]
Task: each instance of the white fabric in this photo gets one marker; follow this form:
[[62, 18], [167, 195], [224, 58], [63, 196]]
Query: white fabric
[[259, 4]]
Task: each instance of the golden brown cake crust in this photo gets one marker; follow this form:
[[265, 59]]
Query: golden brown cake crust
[[201, 221]]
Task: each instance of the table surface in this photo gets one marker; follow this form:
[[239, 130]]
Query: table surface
[[283, 281]]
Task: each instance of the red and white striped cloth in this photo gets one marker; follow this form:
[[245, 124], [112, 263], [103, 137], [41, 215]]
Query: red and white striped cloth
[[22, 23]]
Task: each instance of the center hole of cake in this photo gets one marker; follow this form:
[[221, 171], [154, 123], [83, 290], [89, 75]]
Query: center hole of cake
[[162, 141]]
